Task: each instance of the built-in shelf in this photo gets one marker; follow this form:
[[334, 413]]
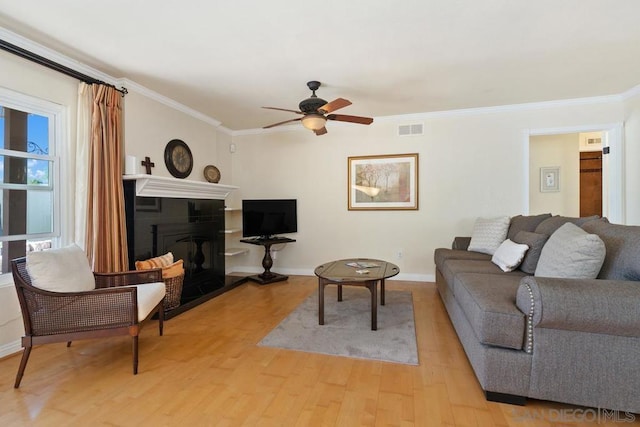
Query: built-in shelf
[[161, 186], [229, 252], [235, 251], [232, 230]]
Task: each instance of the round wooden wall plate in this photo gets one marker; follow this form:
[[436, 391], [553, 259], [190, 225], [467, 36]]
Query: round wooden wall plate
[[212, 174]]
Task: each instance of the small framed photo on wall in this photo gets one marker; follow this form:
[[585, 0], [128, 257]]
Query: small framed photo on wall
[[549, 179]]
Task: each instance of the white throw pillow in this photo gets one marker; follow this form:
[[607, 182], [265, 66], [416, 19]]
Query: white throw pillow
[[60, 270], [509, 255], [488, 234], [571, 253]]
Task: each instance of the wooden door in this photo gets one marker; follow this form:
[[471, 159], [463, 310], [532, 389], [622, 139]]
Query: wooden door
[[590, 183]]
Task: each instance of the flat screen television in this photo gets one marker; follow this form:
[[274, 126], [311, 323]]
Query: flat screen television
[[268, 217]]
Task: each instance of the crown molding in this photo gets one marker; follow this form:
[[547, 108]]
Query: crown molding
[[51, 54], [415, 117], [55, 56], [225, 130], [505, 108], [286, 128], [634, 91], [151, 94], [262, 131]]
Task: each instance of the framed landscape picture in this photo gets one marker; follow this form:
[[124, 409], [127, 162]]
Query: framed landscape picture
[[385, 182]]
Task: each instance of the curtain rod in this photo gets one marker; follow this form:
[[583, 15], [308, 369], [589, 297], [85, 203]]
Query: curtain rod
[[33, 57]]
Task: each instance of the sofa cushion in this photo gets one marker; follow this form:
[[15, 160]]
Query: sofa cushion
[[452, 267], [536, 242], [622, 261], [509, 255], [571, 253], [550, 225], [61, 270], [489, 303], [440, 255], [488, 233], [525, 223]]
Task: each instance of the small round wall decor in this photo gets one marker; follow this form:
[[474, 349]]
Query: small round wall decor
[[212, 174]]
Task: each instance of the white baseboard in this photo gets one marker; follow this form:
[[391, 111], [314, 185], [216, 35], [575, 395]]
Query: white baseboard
[[10, 348]]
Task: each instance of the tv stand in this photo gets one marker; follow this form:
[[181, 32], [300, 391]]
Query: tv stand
[[267, 262]]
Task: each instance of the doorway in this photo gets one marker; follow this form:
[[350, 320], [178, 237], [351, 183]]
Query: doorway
[[567, 199], [590, 183]]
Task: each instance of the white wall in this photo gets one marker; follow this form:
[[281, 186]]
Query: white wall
[[551, 151], [471, 164], [150, 125]]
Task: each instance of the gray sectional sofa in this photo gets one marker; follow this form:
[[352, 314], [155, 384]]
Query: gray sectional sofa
[[572, 340]]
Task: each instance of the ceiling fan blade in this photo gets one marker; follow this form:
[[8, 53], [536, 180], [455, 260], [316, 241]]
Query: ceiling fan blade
[[283, 109], [321, 131], [334, 105], [281, 123], [350, 119]]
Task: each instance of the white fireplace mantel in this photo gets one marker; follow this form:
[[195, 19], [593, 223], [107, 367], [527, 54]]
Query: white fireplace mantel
[[161, 186]]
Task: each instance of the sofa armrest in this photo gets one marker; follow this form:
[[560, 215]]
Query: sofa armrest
[[461, 243], [587, 305]]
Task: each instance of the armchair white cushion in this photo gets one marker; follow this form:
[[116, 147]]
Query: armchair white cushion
[[149, 295], [61, 270]]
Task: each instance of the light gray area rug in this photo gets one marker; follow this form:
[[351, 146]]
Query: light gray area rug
[[347, 329]]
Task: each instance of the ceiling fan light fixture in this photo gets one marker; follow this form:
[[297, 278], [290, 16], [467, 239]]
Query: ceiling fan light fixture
[[314, 121]]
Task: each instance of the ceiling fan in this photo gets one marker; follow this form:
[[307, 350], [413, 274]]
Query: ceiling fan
[[315, 112]]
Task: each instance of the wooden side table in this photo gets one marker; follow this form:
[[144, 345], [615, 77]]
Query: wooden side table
[[267, 262]]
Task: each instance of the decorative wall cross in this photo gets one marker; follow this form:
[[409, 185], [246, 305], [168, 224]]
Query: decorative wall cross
[[148, 164]]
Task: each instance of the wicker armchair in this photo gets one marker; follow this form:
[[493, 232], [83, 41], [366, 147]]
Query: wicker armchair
[[110, 309]]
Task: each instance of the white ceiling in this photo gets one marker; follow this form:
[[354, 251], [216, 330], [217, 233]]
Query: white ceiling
[[226, 59]]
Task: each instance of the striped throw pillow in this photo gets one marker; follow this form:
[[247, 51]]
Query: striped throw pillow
[[157, 262]]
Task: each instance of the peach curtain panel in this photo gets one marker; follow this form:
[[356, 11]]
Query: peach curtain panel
[[106, 238]]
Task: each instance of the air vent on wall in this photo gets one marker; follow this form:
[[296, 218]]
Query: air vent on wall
[[411, 130]]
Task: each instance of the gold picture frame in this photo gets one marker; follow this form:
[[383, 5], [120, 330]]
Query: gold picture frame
[[383, 182]]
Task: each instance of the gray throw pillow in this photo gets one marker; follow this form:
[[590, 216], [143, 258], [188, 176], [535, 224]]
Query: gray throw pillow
[[550, 225], [536, 242], [623, 249], [525, 223], [571, 253]]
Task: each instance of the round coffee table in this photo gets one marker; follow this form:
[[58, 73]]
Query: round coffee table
[[355, 272]]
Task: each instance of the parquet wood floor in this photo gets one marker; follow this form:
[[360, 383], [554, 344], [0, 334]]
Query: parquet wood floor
[[208, 370]]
